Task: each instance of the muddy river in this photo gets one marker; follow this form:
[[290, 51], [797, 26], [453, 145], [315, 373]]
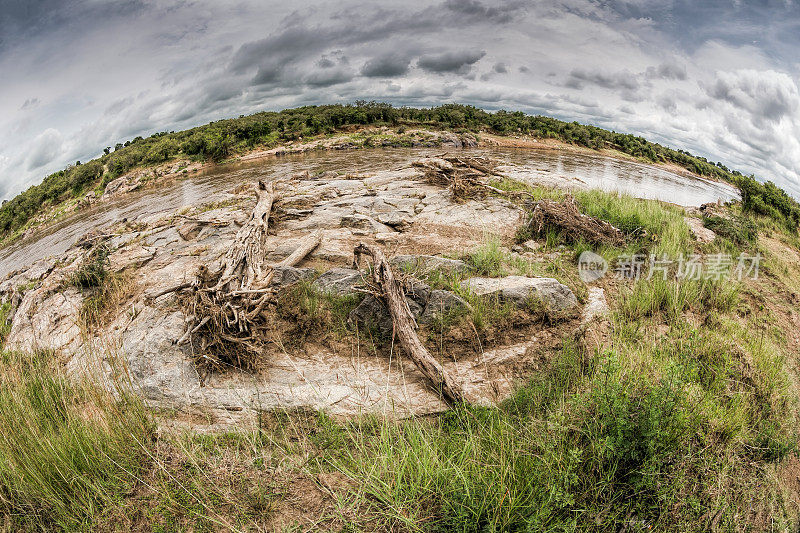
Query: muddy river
[[547, 167]]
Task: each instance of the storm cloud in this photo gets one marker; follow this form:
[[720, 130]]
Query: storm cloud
[[716, 78], [454, 62]]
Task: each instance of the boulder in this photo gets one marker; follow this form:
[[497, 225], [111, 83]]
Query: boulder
[[520, 289], [47, 320], [286, 275], [428, 263], [121, 185], [372, 312], [450, 140], [441, 303], [338, 281]]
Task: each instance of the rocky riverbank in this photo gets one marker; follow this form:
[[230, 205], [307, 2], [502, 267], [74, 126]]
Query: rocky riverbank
[[420, 225]]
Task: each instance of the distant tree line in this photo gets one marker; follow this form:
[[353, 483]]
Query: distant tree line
[[224, 138]]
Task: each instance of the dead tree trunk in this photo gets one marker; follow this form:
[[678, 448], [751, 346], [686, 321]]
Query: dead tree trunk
[[227, 309], [244, 260], [405, 326]]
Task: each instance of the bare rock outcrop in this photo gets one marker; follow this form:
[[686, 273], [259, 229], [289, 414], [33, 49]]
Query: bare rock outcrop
[[520, 290]]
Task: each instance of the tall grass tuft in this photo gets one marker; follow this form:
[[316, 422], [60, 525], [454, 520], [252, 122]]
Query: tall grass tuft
[[660, 224], [67, 450]]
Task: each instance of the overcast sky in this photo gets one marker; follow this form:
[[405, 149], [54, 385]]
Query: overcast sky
[[717, 78]]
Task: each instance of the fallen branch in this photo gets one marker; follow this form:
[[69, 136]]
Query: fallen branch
[[405, 325], [173, 288], [465, 176], [565, 218]]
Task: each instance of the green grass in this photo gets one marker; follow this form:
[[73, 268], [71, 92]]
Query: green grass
[[670, 298], [650, 225], [656, 226], [5, 323], [739, 230], [67, 450], [92, 272], [657, 433]]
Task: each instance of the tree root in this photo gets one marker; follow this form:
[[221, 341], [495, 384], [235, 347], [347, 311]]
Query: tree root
[[228, 310]]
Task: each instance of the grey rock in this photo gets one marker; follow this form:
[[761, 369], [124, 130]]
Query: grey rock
[[701, 233], [441, 303], [189, 230], [451, 140], [364, 223], [339, 281], [395, 219], [428, 263], [121, 185], [520, 289], [372, 312], [286, 275], [469, 141]]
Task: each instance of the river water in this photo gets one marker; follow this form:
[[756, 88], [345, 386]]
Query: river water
[[547, 167]]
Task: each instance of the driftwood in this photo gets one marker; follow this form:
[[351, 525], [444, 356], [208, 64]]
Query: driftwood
[[465, 176], [227, 310], [244, 260], [565, 218], [405, 325]]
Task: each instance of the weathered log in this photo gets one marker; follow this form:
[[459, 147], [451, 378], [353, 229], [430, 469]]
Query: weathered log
[[405, 325], [306, 246], [244, 260]]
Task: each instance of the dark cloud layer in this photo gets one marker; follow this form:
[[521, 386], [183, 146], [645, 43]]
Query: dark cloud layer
[[717, 78], [386, 66], [457, 62]]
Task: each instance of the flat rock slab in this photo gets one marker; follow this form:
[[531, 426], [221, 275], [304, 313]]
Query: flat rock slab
[[520, 289], [429, 263]]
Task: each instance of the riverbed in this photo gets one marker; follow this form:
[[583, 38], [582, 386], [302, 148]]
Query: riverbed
[[555, 168]]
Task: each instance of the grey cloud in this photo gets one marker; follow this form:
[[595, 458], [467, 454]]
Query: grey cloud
[[29, 103], [214, 60], [578, 78], [667, 103], [46, 147], [769, 95], [386, 66], [24, 20], [328, 77], [667, 71], [451, 62], [502, 14]]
